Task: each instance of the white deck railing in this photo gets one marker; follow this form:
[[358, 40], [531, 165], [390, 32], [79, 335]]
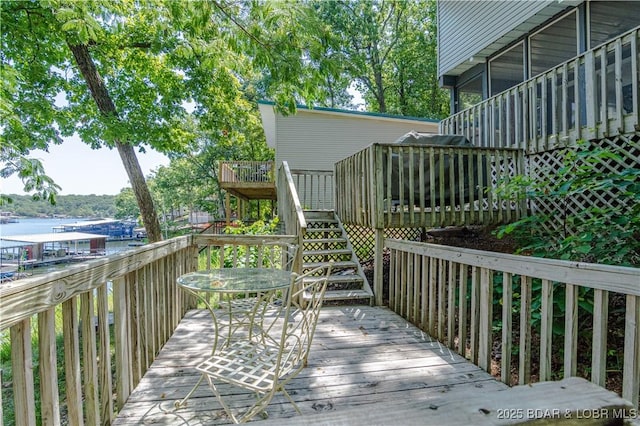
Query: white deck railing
[[594, 95], [450, 293], [231, 172], [315, 188]]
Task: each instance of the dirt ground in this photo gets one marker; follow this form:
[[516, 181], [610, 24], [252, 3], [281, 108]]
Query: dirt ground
[[468, 237]]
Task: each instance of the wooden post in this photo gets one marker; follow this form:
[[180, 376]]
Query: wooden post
[[25, 409], [227, 203], [378, 265]]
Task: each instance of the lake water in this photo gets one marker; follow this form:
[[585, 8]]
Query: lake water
[[31, 226]]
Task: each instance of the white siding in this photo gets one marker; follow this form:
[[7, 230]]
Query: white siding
[[472, 29], [315, 140]]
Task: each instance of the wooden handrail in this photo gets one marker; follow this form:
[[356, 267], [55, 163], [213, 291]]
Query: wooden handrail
[[540, 114], [449, 292], [246, 172], [289, 208]]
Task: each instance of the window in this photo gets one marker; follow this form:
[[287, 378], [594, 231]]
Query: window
[[507, 69], [609, 19], [470, 93], [554, 44]]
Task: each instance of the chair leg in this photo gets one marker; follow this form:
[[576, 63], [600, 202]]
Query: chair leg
[[285, 393], [258, 407], [226, 408]]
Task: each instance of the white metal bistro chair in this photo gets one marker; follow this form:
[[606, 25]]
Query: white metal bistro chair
[[265, 366]]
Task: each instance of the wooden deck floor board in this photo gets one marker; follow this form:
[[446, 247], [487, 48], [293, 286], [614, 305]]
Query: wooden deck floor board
[[367, 366], [361, 355]]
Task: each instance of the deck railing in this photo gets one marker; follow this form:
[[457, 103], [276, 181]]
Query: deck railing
[[450, 293], [127, 304], [594, 95], [410, 186], [289, 208], [246, 172], [137, 287], [315, 188]]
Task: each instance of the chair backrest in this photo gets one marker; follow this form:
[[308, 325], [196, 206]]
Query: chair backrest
[[279, 256], [300, 320]]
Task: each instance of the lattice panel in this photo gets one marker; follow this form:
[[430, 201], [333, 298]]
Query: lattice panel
[[363, 239], [501, 168], [543, 165]]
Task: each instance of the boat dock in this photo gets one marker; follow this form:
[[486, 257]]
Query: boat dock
[[38, 250]]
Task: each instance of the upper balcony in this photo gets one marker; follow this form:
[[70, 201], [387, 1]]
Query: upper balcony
[[249, 180], [593, 96]]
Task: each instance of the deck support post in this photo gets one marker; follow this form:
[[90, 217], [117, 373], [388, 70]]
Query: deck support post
[[378, 266]]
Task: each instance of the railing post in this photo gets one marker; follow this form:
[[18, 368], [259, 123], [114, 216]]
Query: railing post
[[22, 368], [631, 372], [378, 265]]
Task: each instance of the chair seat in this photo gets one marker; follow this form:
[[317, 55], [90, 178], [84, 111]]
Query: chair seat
[[247, 364]]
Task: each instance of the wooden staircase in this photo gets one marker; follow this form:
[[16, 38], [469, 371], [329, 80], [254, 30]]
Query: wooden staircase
[[326, 240]]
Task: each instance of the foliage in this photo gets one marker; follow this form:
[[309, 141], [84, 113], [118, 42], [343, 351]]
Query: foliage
[[158, 73], [31, 172], [126, 206], [257, 228], [389, 49], [66, 206], [601, 232]]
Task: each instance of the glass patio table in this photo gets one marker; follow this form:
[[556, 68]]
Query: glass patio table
[[229, 283]]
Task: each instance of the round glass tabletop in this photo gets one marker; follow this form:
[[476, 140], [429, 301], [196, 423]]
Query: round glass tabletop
[[236, 280]]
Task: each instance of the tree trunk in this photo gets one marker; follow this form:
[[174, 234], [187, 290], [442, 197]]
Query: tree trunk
[[106, 106]]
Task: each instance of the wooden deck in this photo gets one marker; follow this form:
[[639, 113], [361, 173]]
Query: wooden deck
[[368, 366], [361, 355]]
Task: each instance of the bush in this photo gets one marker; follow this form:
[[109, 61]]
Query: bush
[[604, 232]]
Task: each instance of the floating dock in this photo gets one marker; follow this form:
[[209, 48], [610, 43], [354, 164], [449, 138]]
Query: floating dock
[[35, 250]]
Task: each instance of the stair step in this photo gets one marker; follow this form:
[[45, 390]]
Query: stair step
[[342, 295], [325, 240], [319, 215], [336, 229], [336, 265], [337, 279], [329, 252]]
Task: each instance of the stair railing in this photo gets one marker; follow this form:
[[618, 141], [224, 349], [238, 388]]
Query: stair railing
[[315, 188], [290, 210]]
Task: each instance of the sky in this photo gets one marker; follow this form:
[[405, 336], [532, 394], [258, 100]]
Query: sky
[[80, 170]]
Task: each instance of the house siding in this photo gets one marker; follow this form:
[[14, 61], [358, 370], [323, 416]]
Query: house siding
[[313, 140], [316, 141], [467, 28]]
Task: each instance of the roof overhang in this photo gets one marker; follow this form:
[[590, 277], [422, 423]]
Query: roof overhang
[[484, 52]]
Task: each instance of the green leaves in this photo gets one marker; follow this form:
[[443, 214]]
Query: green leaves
[[604, 229]]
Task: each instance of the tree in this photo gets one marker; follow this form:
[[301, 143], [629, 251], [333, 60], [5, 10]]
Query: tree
[[389, 49], [126, 205], [120, 73]]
